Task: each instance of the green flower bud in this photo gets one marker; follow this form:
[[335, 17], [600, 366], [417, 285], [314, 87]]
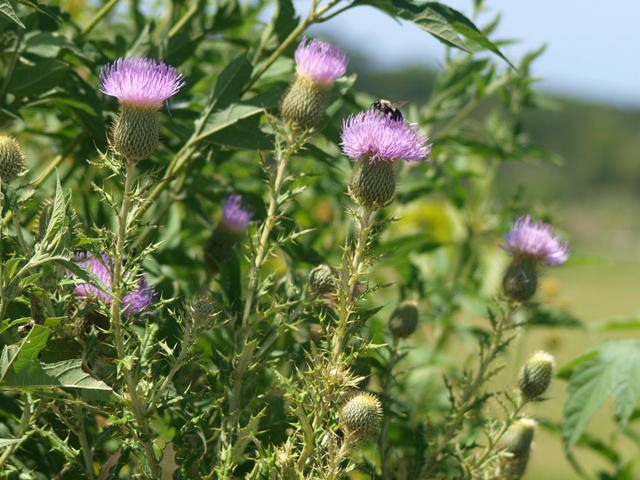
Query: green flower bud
[[372, 184], [203, 309], [520, 280], [136, 131], [322, 280], [83, 323], [517, 441], [361, 416], [304, 103], [535, 376], [404, 319], [12, 158]]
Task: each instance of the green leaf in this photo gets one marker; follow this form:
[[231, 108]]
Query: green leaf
[[20, 368], [541, 317], [242, 135], [33, 80], [612, 373], [49, 44], [85, 274], [422, 15], [466, 27], [7, 11], [40, 8], [233, 113]]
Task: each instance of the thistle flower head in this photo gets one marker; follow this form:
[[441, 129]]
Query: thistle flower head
[[535, 376], [320, 62], [535, 241], [235, 215], [379, 138], [140, 81], [137, 301], [12, 158], [361, 416]]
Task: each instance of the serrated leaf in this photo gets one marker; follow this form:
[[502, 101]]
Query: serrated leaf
[[168, 463], [612, 373], [7, 10]]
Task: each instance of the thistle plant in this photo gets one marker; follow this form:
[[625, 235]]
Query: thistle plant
[[240, 300]]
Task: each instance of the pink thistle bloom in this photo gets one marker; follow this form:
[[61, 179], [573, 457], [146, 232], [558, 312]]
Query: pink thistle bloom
[[140, 81], [138, 301], [534, 240], [368, 134], [320, 62], [235, 215]]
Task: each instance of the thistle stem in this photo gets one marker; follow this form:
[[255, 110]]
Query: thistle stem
[[468, 395], [116, 307], [350, 282], [95, 20], [386, 385]]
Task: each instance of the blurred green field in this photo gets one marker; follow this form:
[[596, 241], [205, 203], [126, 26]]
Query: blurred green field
[[593, 292]]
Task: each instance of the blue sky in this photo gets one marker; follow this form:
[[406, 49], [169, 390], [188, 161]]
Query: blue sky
[[593, 47]]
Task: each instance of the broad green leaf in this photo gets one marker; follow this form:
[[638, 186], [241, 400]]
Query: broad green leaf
[[612, 373], [7, 10], [28, 80], [20, 367], [221, 119], [421, 15], [616, 324], [40, 8], [49, 44], [465, 27], [18, 358], [542, 317], [242, 135]]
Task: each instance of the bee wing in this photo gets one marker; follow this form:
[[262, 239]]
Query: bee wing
[[397, 104]]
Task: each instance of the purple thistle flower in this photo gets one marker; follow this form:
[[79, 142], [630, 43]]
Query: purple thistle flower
[[235, 215], [138, 301], [368, 134], [320, 62], [534, 239], [140, 81]]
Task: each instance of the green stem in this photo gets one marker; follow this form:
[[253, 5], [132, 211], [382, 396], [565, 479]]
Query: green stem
[[462, 114], [95, 20], [350, 282], [9, 71], [468, 395], [22, 428], [267, 226], [84, 444], [184, 20], [386, 386], [116, 305]]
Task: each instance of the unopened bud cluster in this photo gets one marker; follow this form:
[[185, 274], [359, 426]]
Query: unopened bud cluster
[[517, 441], [404, 319], [535, 376], [361, 416], [322, 280]]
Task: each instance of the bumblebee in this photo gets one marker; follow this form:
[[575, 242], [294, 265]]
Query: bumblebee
[[389, 109]]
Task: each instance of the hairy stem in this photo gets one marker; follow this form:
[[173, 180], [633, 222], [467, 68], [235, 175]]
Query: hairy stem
[[116, 307], [350, 282], [386, 386], [468, 395]]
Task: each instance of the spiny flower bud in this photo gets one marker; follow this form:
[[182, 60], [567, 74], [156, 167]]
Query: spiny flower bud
[[520, 280], [203, 309], [372, 185], [517, 441], [12, 158], [535, 376], [404, 319], [83, 323], [141, 85], [321, 279], [317, 66], [361, 416]]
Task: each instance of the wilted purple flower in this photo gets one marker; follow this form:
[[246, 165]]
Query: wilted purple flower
[[534, 239], [379, 138], [139, 300], [235, 215], [140, 81], [320, 62]]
